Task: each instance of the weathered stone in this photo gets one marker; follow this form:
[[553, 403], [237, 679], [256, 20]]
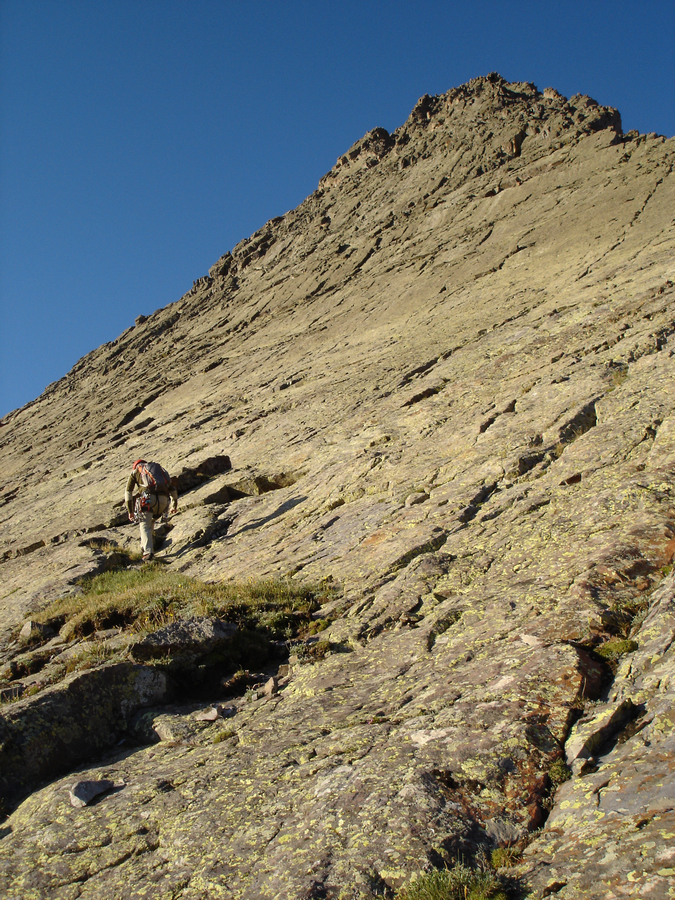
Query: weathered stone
[[187, 636], [74, 651], [502, 832], [416, 497], [192, 476], [152, 725], [271, 687], [211, 713], [207, 715], [588, 735], [34, 631], [83, 792]]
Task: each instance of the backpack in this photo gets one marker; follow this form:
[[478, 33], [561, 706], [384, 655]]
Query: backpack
[[155, 478]]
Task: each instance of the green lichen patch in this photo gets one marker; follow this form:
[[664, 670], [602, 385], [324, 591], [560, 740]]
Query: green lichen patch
[[559, 773], [317, 626], [612, 650], [223, 735]]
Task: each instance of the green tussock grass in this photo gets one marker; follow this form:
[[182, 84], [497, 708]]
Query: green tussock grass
[[505, 857], [461, 882], [148, 598], [108, 547]]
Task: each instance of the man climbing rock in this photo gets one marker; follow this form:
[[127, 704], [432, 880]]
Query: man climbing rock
[[156, 488]]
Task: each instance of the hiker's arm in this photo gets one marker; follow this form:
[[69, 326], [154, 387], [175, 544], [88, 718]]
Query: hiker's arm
[[129, 494], [174, 500]]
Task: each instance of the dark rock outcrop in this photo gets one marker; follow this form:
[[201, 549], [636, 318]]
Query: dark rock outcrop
[[186, 638], [66, 724]]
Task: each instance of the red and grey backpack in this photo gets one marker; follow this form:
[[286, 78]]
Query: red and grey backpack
[[155, 479]]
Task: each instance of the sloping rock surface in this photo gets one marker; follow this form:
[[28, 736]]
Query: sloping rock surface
[[613, 828], [446, 382]]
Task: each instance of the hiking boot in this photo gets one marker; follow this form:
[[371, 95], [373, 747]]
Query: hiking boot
[[147, 557]]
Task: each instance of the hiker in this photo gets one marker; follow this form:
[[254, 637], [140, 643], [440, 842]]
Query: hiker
[[155, 488]]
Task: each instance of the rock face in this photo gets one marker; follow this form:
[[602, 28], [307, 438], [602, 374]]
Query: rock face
[[446, 382], [71, 722], [613, 825]]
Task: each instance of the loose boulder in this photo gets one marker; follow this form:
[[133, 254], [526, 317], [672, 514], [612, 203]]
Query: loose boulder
[[83, 792], [188, 637]]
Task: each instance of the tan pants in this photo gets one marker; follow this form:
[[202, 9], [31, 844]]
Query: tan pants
[[159, 503]]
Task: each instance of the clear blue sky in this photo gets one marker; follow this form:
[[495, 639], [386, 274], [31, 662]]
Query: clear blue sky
[[141, 139]]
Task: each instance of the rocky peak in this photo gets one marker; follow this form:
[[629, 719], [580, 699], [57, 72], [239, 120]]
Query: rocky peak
[[443, 384]]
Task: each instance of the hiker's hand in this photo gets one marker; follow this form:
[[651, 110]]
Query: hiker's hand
[[131, 518], [173, 511]]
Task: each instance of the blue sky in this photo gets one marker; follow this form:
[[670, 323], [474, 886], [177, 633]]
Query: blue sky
[[141, 140]]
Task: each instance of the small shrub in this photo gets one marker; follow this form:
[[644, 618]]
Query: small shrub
[[617, 374], [505, 857], [459, 883], [638, 619], [309, 653], [318, 625]]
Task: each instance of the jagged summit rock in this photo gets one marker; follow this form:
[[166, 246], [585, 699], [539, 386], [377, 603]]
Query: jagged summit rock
[[446, 382]]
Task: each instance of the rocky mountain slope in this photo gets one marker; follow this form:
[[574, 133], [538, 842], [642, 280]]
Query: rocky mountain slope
[[446, 386]]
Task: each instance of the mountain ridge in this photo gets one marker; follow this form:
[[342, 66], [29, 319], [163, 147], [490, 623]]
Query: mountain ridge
[[445, 383]]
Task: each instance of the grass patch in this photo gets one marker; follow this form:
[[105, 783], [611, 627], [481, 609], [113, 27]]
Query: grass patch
[[90, 658], [505, 857], [461, 882], [147, 598], [128, 556]]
